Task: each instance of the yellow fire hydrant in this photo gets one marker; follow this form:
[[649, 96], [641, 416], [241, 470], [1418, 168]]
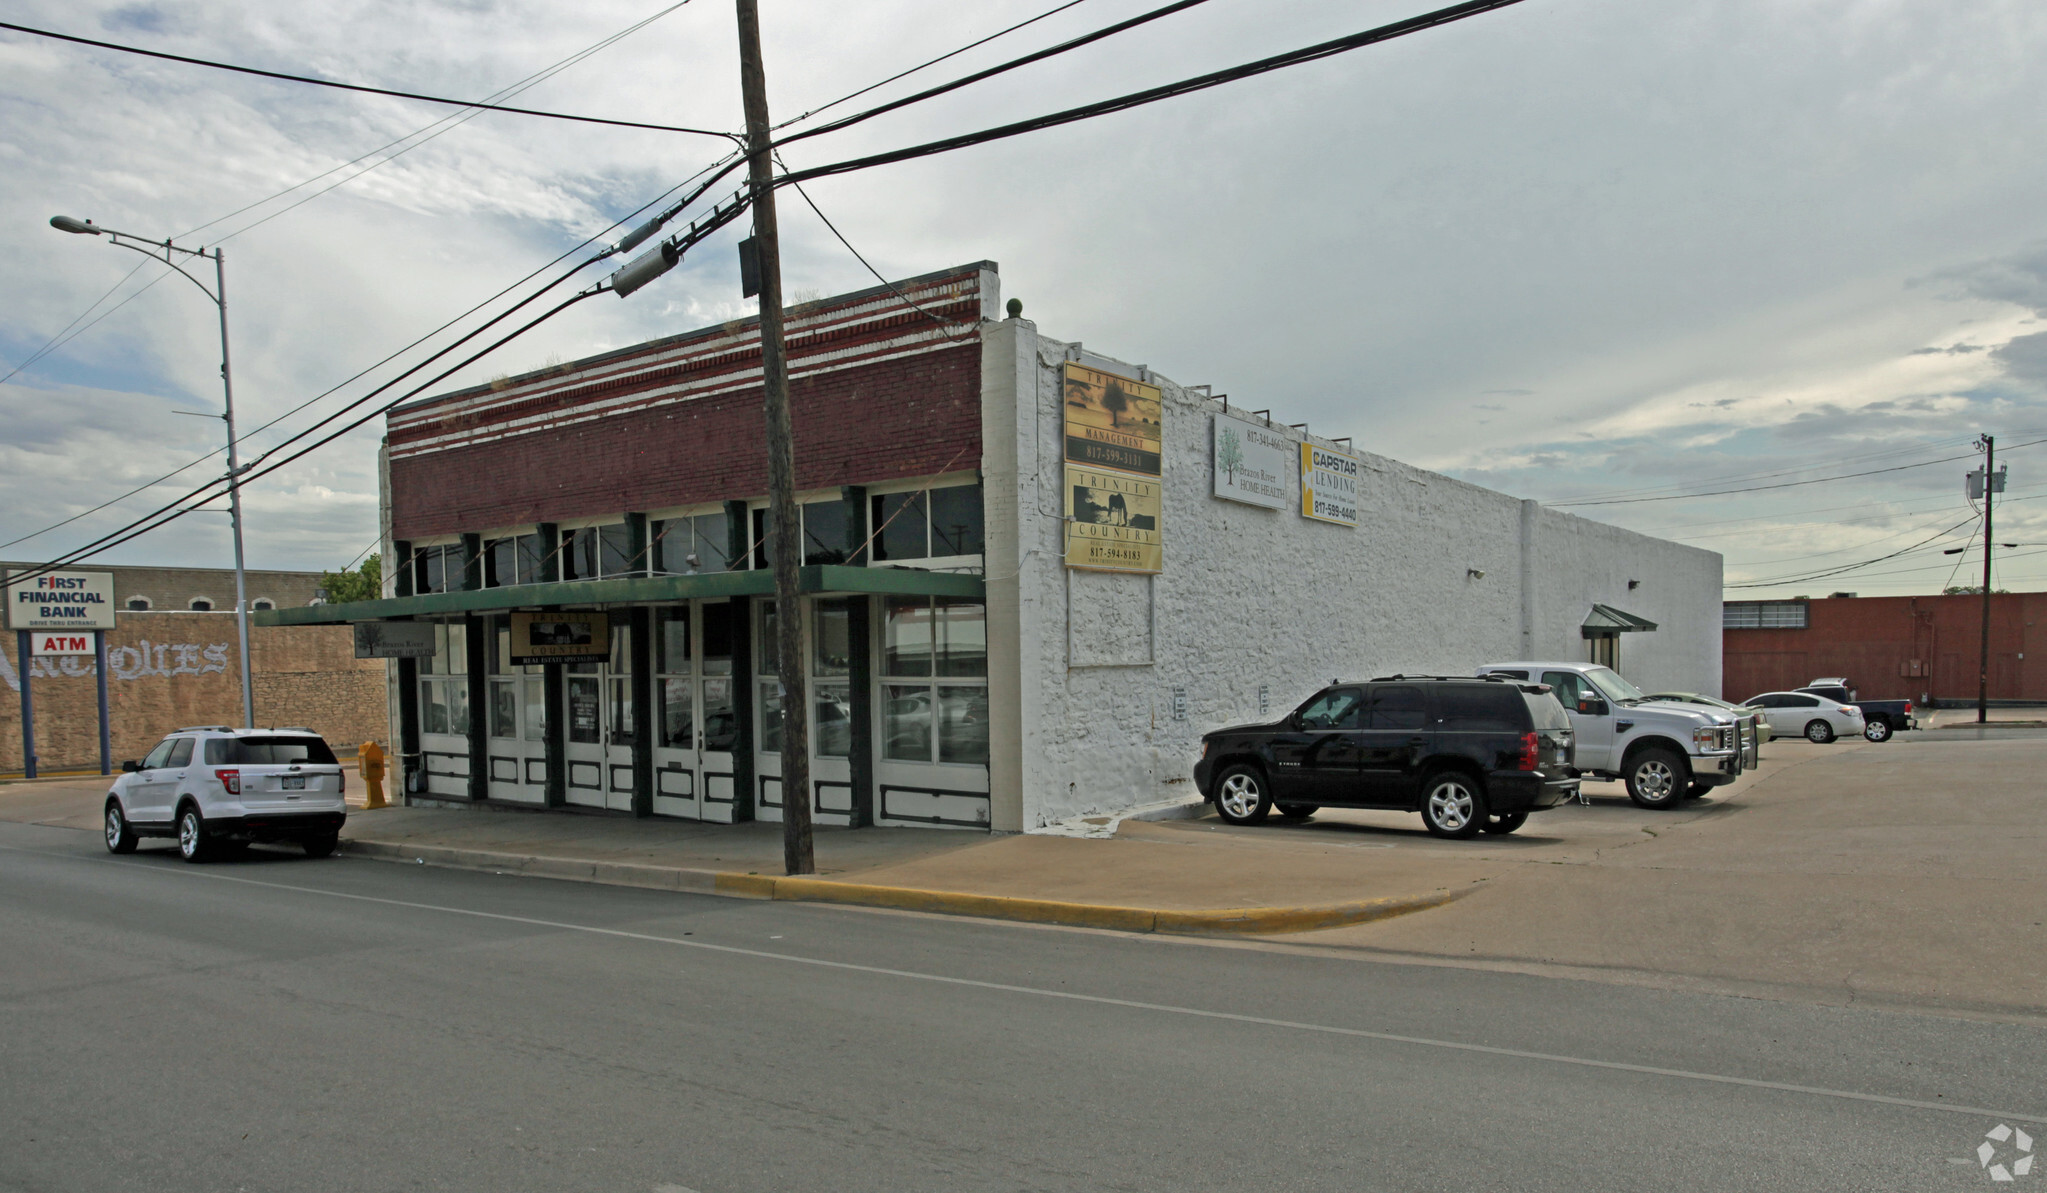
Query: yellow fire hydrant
[[369, 763]]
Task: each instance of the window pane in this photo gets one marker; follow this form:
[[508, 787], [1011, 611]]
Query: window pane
[[583, 709], [834, 717], [621, 647], [436, 570], [678, 722], [433, 707], [438, 664], [674, 644], [963, 724], [536, 709], [155, 758], [458, 706], [504, 708], [579, 554], [501, 563], [713, 539], [623, 726], [833, 646], [906, 722], [763, 550], [531, 550], [900, 518], [181, 753], [765, 650], [616, 548], [721, 721], [907, 645], [458, 648], [1397, 708], [771, 717], [717, 638], [669, 543], [963, 638], [956, 520], [827, 532], [1333, 710]]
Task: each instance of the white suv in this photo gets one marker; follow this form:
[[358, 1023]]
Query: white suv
[[212, 788]]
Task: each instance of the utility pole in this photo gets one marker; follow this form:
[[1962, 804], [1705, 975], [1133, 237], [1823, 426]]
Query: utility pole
[[785, 537], [1989, 497]]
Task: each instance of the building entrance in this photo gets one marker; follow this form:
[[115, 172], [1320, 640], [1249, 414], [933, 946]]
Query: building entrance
[[699, 726], [599, 727], [828, 645]]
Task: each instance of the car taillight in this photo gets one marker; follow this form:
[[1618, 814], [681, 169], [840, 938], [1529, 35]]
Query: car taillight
[[230, 779], [1908, 708], [1529, 745], [343, 776]]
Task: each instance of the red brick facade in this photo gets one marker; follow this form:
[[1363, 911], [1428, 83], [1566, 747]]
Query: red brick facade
[[1897, 648], [911, 416]]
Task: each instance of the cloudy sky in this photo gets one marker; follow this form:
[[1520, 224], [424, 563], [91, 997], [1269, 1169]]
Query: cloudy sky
[[1635, 252]]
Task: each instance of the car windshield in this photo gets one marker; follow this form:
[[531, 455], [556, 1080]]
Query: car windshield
[[267, 751], [1613, 687]]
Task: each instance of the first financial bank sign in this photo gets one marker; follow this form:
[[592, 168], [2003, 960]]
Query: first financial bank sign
[[62, 601]]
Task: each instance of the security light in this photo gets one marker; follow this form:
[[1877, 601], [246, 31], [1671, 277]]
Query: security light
[[64, 223]]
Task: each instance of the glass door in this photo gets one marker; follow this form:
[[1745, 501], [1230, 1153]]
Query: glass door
[[517, 753], [598, 723], [831, 711], [698, 725]]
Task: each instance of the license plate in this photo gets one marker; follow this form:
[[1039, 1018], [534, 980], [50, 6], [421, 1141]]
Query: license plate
[[295, 783]]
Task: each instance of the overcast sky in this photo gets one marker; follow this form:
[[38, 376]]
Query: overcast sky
[[1575, 249]]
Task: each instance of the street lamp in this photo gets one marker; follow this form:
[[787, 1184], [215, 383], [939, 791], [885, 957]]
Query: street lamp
[[161, 250]]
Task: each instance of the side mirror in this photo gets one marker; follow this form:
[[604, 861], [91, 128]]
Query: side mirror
[[1592, 706], [130, 767]]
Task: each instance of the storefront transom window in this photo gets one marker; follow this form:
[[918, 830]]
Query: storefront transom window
[[935, 680]]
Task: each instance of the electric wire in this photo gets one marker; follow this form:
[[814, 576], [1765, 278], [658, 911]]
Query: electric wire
[[39, 353], [1734, 477], [924, 65], [1824, 573], [893, 288], [1075, 43], [317, 82]]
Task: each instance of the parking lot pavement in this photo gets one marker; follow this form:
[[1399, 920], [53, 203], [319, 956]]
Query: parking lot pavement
[[1907, 873]]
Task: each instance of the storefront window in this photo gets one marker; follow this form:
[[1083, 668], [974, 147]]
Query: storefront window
[[624, 726], [674, 682], [536, 709], [690, 546], [437, 569], [904, 526], [585, 709], [444, 682], [956, 520], [827, 532], [767, 655], [509, 561], [832, 652], [929, 523], [945, 717], [504, 708], [598, 553], [720, 716], [834, 717]]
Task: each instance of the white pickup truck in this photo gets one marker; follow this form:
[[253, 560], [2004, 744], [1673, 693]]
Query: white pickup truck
[[1664, 752]]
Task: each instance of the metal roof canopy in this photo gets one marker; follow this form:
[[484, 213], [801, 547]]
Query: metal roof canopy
[[1605, 620], [813, 579]]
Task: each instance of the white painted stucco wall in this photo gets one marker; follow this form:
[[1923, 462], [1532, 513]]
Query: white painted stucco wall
[[1253, 598]]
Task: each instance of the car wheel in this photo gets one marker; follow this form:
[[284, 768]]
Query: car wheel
[[322, 845], [192, 843], [120, 834], [1298, 811], [1819, 732], [1502, 825], [1241, 796], [1657, 779], [1453, 805], [1877, 731]]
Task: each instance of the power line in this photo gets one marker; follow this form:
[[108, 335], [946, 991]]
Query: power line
[[1818, 480], [316, 82], [924, 65], [1823, 574], [426, 133], [1732, 477], [38, 354], [1327, 49], [1000, 68], [893, 288]]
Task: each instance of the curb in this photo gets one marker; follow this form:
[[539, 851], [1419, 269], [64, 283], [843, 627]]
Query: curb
[[1234, 921]]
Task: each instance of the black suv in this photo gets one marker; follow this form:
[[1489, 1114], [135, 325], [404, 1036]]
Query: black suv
[[1468, 754]]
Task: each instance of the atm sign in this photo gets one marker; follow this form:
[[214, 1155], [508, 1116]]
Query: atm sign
[[42, 644]]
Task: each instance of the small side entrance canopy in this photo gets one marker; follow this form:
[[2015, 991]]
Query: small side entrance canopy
[[1605, 620]]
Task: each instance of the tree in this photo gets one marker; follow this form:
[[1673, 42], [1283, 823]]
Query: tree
[[365, 583], [1228, 455], [1115, 401], [1972, 590]]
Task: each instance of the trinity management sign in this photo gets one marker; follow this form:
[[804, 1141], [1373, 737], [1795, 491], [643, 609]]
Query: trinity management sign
[[62, 601]]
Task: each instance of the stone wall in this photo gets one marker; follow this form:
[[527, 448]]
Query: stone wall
[[166, 670], [170, 588], [1257, 608]]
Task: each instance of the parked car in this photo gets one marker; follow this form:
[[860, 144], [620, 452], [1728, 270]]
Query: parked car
[[1803, 714], [211, 788], [1665, 753], [1756, 728], [1468, 754], [1880, 718]]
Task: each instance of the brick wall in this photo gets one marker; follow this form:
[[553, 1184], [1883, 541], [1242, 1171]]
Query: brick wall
[[1897, 648], [911, 416], [167, 588], [171, 669]]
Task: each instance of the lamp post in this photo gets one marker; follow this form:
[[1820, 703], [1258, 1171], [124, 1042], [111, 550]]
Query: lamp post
[[161, 250]]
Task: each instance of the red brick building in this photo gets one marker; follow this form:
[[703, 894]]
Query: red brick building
[[1918, 648]]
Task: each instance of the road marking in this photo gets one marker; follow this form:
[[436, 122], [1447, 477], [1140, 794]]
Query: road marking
[[1101, 1000]]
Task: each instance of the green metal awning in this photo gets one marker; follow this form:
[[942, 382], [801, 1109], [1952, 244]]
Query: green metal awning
[[816, 578], [1605, 619]]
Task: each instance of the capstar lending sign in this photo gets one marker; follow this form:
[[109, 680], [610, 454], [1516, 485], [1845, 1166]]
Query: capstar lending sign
[[1329, 485], [62, 601]]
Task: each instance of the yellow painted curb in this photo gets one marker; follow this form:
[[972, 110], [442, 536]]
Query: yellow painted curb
[[1235, 921]]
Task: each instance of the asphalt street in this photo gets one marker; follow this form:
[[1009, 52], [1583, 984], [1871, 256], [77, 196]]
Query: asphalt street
[[275, 1023]]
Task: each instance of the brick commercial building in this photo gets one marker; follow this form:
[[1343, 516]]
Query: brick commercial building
[[181, 667], [1034, 574], [1924, 648]]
